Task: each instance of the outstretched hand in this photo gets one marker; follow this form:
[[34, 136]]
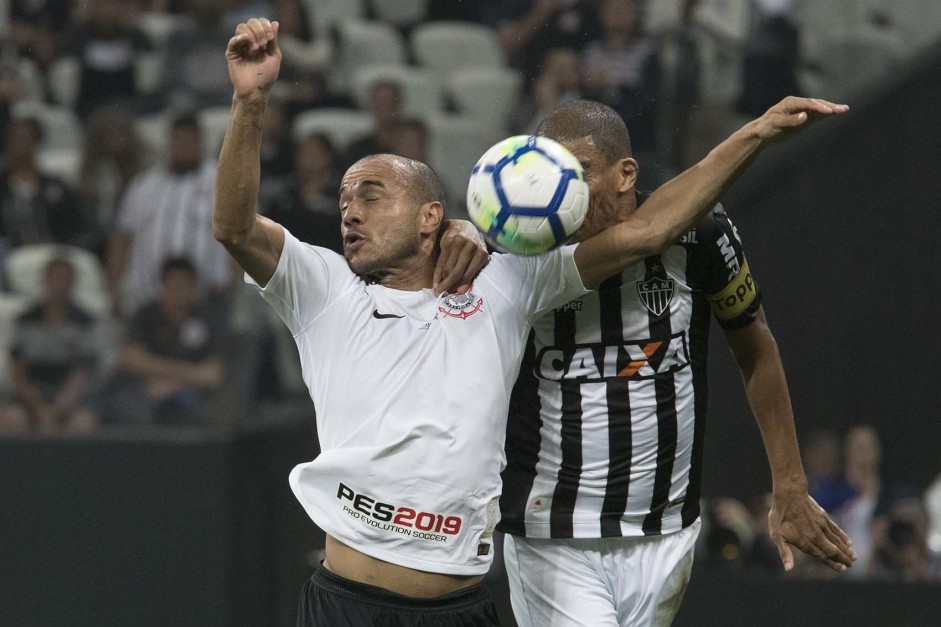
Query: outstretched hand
[[254, 57], [463, 254], [802, 523], [793, 114]]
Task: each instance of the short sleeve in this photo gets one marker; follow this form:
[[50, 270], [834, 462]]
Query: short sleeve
[[726, 279], [542, 282], [305, 282]]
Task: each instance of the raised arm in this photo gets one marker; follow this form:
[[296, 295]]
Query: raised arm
[[676, 206], [254, 241]]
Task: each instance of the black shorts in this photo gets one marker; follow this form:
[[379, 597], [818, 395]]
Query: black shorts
[[328, 600]]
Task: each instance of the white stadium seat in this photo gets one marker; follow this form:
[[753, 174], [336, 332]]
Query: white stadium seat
[[422, 91], [400, 12], [154, 131], [455, 144], [148, 72], [159, 27], [852, 62], [63, 163], [64, 81], [61, 127], [25, 266], [324, 15], [486, 93], [213, 122], [445, 47], [364, 43], [342, 126], [30, 79]]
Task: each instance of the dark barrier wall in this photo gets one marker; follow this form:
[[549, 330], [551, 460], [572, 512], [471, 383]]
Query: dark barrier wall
[[153, 529], [840, 228]]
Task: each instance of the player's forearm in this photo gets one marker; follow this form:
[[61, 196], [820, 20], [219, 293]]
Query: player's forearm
[[239, 171], [671, 211], [766, 390]]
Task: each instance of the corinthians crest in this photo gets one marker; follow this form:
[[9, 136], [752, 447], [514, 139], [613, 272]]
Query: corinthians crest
[[461, 305], [656, 294]]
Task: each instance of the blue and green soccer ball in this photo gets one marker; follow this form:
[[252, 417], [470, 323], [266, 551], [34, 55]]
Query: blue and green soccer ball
[[527, 194]]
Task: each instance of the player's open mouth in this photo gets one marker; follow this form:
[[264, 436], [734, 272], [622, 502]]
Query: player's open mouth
[[352, 241]]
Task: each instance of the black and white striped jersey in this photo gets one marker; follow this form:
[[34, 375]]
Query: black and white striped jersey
[[606, 423]]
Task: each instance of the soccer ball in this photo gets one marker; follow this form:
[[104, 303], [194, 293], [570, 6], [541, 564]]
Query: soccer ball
[[527, 195]]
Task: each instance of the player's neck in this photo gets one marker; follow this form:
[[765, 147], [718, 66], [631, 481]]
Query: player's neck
[[414, 273]]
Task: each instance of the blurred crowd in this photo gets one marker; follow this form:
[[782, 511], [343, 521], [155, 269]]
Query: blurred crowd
[[119, 307], [895, 528]]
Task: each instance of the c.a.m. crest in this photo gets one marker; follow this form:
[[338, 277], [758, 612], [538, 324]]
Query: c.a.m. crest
[[656, 294]]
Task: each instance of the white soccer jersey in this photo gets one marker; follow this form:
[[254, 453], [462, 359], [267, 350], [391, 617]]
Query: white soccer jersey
[[606, 425], [411, 392]]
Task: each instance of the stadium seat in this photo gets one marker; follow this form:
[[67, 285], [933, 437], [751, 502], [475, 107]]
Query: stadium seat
[[64, 81], [63, 163], [25, 266], [324, 15], [445, 47], [4, 16], [456, 142], [342, 126], [663, 17], [30, 78], [153, 131], [725, 20], [159, 27], [401, 13], [364, 43], [11, 307], [148, 72], [61, 127], [213, 121], [422, 91], [489, 94]]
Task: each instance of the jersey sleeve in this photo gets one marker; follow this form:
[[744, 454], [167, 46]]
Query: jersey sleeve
[[727, 282], [541, 282], [306, 280]]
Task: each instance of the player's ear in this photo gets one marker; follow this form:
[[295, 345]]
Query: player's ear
[[431, 215], [627, 169]]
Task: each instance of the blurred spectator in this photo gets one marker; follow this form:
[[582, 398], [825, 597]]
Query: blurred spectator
[[53, 358], [622, 70], [106, 43], [872, 494], [277, 145], [558, 82], [36, 208], [36, 26], [900, 544], [527, 28], [411, 140], [771, 57], [10, 88], [305, 203], [170, 357], [113, 156], [196, 74], [821, 459], [305, 63], [167, 211], [385, 104]]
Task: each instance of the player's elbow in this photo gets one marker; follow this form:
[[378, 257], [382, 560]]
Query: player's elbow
[[229, 235]]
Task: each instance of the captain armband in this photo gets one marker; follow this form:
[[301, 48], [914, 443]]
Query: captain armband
[[737, 296]]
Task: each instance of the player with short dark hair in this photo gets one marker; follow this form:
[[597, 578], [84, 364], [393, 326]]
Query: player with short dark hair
[[411, 386], [604, 442]]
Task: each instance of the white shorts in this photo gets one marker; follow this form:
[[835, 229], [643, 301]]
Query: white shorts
[[599, 582]]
